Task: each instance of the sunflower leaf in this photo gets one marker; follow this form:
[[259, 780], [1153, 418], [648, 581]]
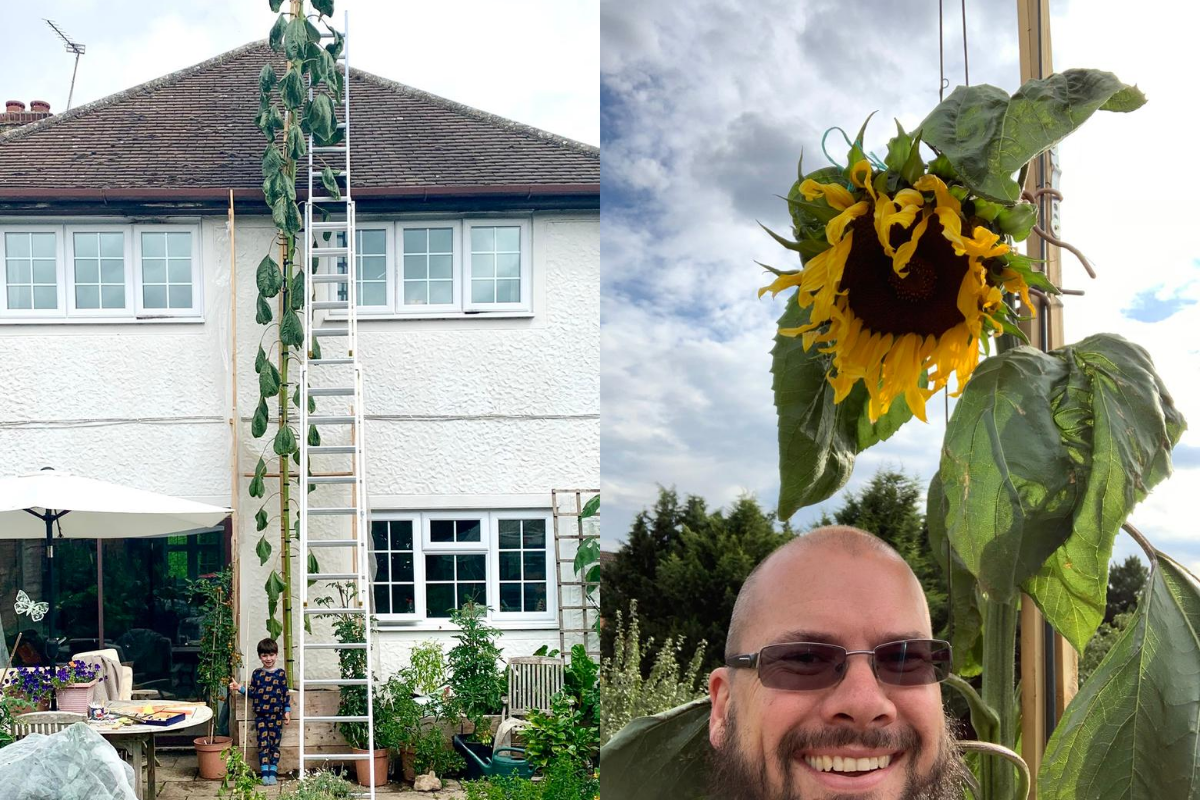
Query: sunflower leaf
[[818, 439], [987, 135], [679, 740], [899, 146], [1139, 706], [967, 618], [1119, 424], [1023, 266], [914, 165]]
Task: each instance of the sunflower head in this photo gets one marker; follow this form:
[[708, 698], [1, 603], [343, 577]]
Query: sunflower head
[[907, 274]]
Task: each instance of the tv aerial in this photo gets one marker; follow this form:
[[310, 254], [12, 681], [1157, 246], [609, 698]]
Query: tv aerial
[[72, 47]]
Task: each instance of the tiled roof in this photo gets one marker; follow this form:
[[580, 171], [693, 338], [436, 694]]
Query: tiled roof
[[192, 133]]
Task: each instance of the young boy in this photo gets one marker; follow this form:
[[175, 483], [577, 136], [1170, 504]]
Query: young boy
[[268, 691]]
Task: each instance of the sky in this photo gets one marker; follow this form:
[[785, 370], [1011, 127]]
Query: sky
[[705, 107], [533, 61]]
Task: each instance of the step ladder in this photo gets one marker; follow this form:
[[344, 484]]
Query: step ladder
[[330, 377]]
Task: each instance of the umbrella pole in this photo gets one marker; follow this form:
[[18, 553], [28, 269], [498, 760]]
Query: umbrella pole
[[51, 646]]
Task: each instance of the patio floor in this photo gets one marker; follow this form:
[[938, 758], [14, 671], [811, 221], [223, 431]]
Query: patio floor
[[177, 780]]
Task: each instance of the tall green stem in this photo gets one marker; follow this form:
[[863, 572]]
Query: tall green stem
[[285, 520], [999, 692]]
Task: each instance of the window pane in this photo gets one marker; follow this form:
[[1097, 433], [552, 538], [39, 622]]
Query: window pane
[[181, 296], [472, 593], [402, 567], [441, 530], [468, 530], [508, 291], [179, 271], [483, 291], [510, 597], [112, 245], [535, 566], [441, 240], [154, 245], [403, 599], [374, 268], [373, 294], [87, 296], [86, 245], [439, 599], [439, 568], [372, 242], [483, 239], [414, 293], [415, 240], [179, 244], [45, 297], [20, 271], [510, 566], [112, 270], [415, 267], [535, 533], [472, 568], [112, 296], [535, 597], [402, 535], [381, 568], [383, 604], [510, 534], [16, 245], [441, 292], [154, 296], [379, 531], [44, 271], [508, 239], [483, 266], [508, 265], [20, 297], [43, 245], [154, 270], [87, 270], [440, 267]]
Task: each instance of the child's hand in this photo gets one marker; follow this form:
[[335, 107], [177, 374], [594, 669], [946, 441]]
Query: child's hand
[[287, 717], [235, 686]]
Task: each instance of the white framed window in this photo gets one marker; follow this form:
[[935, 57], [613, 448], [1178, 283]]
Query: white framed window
[[32, 260], [99, 270], [374, 268], [497, 260], [431, 267], [166, 270], [435, 561]]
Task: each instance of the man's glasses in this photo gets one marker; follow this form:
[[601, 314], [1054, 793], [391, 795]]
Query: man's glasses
[[805, 666]]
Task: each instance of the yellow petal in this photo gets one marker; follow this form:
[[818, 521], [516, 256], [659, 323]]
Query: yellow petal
[[837, 195], [982, 245], [904, 252], [780, 283], [835, 228], [949, 210], [860, 176], [1013, 282]]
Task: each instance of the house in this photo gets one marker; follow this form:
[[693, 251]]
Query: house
[[121, 304]]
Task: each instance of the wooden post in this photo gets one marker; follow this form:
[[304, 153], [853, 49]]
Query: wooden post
[[1045, 333]]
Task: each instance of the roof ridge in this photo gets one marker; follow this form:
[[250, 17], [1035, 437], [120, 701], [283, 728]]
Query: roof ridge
[[124, 94], [483, 116]]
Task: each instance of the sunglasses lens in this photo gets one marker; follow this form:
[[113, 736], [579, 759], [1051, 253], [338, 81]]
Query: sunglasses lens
[[800, 666], [913, 662]]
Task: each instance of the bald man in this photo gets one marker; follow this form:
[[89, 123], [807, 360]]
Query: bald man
[[830, 689]]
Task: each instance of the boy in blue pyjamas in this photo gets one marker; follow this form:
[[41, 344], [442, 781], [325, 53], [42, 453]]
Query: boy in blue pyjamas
[[268, 692]]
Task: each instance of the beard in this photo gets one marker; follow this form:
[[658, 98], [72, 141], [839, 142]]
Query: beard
[[735, 776]]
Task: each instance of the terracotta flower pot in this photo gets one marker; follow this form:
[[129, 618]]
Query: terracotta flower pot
[[408, 763], [362, 768], [210, 753], [74, 697]]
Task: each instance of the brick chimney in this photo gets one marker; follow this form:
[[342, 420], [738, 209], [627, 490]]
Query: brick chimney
[[15, 115]]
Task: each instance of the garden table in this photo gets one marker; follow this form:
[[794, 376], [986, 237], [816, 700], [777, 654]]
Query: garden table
[[139, 739]]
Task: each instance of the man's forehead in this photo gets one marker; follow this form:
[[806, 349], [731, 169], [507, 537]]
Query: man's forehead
[[874, 638]]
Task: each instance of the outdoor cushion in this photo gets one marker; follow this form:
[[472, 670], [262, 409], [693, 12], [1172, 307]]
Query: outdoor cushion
[[118, 682]]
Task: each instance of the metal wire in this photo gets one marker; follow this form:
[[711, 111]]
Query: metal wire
[[966, 63]]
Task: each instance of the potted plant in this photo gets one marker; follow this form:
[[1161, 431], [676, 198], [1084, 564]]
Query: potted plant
[[217, 660], [30, 684], [73, 685], [398, 718], [476, 680]]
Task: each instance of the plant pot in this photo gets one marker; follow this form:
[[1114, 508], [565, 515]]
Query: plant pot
[[408, 763], [74, 697], [362, 768], [210, 753]]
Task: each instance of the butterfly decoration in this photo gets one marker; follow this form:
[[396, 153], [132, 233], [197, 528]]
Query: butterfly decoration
[[24, 605]]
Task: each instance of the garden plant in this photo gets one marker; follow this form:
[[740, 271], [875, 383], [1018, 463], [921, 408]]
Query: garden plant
[[219, 657]]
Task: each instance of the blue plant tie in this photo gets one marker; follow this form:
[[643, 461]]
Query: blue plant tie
[[875, 162]]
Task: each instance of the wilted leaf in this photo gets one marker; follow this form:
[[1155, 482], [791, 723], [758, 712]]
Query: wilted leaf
[[987, 136], [268, 381], [268, 277], [967, 619], [678, 740], [261, 520], [330, 183], [291, 329], [296, 296], [276, 36], [314, 435], [275, 5], [315, 350], [262, 311], [285, 441], [263, 550], [258, 425], [286, 216], [296, 145], [321, 118], [291, 88], [1131, 732], [260, 359], [295, 39], [324, 6]]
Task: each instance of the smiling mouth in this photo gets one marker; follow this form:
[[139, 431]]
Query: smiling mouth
[[849, 766]]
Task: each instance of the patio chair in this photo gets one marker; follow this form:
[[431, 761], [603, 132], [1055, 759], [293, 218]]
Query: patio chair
[[46, 722], [532, 681]]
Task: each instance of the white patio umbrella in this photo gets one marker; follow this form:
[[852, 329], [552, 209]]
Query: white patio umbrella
[[32, 504]]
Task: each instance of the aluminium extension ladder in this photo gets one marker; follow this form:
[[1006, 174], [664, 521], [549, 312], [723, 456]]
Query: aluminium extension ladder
[[335, 378]]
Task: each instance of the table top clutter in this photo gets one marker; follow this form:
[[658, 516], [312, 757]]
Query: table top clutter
[[115, 725]]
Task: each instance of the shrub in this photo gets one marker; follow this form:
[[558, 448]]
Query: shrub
[[427, 667], [564, 779], [321, 786], [433, 754], [570, 729], [241, 781], [475, 677], [625, 694]]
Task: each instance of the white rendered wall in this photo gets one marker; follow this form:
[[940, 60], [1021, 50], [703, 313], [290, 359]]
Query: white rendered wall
[[461, 413]]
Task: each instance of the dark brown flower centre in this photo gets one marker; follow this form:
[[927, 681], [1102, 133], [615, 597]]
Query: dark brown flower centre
[[925, 302]]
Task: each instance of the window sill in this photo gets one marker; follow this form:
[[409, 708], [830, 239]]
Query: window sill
[[367, 316], [430, 626], [101, 320]]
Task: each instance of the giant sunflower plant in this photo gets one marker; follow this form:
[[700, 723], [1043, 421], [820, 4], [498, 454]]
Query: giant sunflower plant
[[910, 285]]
